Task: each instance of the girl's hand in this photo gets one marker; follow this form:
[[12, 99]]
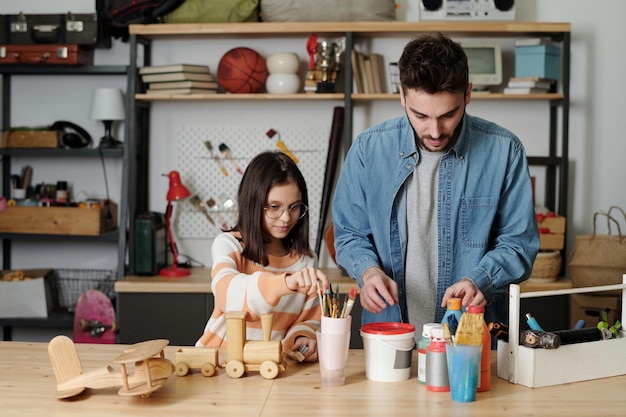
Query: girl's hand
[[306, 346], [306, 280]]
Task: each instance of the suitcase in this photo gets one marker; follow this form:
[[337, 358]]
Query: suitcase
[[46, 54], [70, 28]]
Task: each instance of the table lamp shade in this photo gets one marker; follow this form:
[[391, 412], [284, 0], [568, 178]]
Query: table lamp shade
[[177, 190], [107, 104]]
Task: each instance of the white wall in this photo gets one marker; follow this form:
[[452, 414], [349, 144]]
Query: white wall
[[597, 146], [597, 99]]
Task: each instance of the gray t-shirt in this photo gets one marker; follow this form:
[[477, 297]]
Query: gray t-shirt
[[422, 257]]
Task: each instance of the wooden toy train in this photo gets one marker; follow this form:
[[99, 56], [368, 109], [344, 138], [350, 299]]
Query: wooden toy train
[[265, 356]]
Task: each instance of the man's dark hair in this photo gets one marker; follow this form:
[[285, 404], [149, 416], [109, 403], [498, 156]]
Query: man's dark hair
[[433, 63]]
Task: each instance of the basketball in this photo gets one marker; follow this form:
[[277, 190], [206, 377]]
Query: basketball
[[242, 70]]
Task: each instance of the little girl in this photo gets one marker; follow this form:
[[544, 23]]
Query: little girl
[[265, 263]]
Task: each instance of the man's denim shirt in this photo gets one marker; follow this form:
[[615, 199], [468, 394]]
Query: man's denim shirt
[[487, 228]]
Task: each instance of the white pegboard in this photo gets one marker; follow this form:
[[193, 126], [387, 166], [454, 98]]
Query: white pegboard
[[202, 174]]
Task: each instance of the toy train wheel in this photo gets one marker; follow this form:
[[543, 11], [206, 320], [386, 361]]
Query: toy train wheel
[[235, 368], [182, 369], [269, 370], [207, 369]]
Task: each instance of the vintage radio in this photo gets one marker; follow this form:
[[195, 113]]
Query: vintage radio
[[467, 10]]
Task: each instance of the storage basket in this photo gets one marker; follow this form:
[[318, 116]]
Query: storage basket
[[68, 284], [547, 265]]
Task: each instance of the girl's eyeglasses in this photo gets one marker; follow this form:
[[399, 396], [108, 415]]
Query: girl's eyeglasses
[[274, 211]]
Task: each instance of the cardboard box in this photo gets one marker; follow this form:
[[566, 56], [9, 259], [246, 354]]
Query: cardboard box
[[29, 298], [543, 61], [555, 240], [589, 308], [538, 367], [59, 220], [30, 139]]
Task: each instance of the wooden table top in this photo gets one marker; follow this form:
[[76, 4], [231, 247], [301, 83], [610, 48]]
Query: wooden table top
[[200, 282], [28, 388]]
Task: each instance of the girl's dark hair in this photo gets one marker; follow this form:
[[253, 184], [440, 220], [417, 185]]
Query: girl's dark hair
[[266, 170], [433, 63]]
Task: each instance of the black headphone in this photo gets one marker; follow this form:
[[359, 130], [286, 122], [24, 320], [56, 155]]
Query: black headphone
[[72, 135]]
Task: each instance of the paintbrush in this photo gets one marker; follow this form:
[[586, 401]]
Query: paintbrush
[[471, 327], [350, 302], [212, 205], [281, 145], [197, 203], [321, 297], [217, 159], [226, 153], [446, 333]]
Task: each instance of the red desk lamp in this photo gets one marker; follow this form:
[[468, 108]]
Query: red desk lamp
[[177, 191]]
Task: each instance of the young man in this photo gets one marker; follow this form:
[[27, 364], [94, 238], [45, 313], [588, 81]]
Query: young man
[[436, 203]]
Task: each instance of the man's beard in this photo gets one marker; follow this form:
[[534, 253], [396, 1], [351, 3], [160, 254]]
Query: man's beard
[[453, 139]]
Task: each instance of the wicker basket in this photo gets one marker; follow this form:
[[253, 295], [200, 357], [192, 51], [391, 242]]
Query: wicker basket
[[547, 265], [68, 284]]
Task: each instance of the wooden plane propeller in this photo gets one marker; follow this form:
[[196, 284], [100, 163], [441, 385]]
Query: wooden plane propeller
[[151, 369]]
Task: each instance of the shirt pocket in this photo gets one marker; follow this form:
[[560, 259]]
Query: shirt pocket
[[477, 215]]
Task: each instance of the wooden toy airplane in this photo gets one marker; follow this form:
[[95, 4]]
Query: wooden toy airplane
[[151, 369]]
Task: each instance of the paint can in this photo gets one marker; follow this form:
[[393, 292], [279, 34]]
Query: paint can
[[388, 347]]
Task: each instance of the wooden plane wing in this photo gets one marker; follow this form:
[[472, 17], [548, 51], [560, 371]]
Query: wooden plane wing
[[143, 350]]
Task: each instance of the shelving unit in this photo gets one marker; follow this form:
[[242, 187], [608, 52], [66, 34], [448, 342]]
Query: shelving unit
[[7, 72], [555, 162], [117, 237]]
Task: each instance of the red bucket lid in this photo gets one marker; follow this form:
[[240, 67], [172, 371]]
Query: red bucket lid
[[387, 328]]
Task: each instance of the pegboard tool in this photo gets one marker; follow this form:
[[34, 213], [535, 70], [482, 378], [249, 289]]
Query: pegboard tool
[[226, 153], [281, 145], [213, 206], [197, 203], [214, 155]]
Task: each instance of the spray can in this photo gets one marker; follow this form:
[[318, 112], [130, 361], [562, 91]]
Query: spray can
[[437, 365], [421, 351]]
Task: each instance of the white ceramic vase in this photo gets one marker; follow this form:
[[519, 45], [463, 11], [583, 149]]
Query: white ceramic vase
[[282, 83], [283, 63]]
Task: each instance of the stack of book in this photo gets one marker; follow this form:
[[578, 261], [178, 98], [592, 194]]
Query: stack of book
[[529, 85], [178, 79], [536, 42], [369, 73]]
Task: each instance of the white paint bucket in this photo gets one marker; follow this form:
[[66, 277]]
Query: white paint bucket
[[388, 348]]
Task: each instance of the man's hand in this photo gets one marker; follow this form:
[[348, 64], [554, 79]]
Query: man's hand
[[467, 291], [306, 281], [377, 291]]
